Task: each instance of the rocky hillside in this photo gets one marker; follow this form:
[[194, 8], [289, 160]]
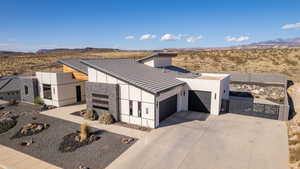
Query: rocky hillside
[[286, 61]]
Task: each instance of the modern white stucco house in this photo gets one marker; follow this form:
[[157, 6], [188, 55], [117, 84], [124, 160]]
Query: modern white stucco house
[[142, 92]]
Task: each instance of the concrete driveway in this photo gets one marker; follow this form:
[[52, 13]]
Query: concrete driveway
[[192, 140]]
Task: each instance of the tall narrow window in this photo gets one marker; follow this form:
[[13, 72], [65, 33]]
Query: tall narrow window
[[130, 107], [139, 109], [47, 91], [26, 89]]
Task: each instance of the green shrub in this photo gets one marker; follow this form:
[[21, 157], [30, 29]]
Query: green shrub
[[106, 118], [38, 100], [90, 115], [84, 132]]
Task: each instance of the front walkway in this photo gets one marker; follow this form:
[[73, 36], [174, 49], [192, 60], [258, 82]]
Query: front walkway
[[12, 159], [64, 113]]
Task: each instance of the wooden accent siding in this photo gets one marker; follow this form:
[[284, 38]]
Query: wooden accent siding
[[77, 75]]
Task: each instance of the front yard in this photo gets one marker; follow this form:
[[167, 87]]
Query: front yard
[[46, 143]]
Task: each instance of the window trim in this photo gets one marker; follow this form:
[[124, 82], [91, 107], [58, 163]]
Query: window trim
[[49, 88]]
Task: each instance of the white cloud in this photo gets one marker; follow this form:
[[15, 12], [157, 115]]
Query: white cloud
[[291, 26], [147, 36], [4, 45], [170, 37], [193, 39], [129, 37], [237, 39]]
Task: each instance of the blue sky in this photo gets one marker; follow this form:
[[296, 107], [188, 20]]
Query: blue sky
[[28, 25]]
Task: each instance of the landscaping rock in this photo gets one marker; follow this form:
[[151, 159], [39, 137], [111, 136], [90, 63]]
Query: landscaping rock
[[8, 114], [93, 138], [82, 112], [30, 129], [27, 143], [6, 124], [82, 167], [44, 107], [127, 140], [272, 93], [71, 142]]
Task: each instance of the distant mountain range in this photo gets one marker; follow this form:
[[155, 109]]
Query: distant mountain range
[[88, 49], [277, 43], [290, 42]]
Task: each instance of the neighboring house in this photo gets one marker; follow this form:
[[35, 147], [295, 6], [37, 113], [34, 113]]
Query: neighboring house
[[10, 88]]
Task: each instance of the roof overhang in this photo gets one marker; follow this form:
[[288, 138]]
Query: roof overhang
[[156, 55]]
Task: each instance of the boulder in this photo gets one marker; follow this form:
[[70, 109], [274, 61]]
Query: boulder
[[127, 140], [82, 167], [27, 142], [255, 91]]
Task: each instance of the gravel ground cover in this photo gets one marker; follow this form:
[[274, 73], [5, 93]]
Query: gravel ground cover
[[45, 144]]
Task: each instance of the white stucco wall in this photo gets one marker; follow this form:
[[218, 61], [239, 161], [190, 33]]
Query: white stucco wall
[[163, 61], [63, 88], [216, 87], [182, 99], [159, 61], [149, 62], [129, 92]]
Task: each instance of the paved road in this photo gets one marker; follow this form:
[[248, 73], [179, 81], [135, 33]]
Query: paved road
[[195, 141]]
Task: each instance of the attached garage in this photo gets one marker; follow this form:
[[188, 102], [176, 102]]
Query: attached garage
[[199, 101], [167, 107]]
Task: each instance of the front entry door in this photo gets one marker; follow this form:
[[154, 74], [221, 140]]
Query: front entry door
[[78, 93]]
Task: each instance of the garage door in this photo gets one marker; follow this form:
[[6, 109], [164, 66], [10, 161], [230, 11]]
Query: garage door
[[199, 101], [167, 107]]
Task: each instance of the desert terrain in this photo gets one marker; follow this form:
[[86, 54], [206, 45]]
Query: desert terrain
[[272, 60]]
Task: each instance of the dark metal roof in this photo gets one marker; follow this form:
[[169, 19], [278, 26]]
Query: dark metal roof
[[177, 72], [157, 55], [75, 64], [147, 78]]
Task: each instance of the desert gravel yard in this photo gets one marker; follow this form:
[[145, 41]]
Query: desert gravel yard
[[45, 144]]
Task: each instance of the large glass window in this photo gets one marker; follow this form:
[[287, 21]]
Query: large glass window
[[47, 91], [139, 109], [130, 107]]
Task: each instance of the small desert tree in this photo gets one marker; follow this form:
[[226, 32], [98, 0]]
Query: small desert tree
[[84, 132]]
